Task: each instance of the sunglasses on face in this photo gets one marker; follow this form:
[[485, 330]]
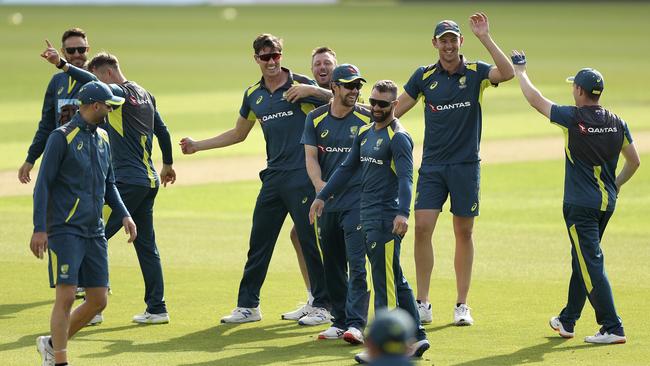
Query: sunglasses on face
[[351, 86], [267, 57], [380, 103], [72, 50]]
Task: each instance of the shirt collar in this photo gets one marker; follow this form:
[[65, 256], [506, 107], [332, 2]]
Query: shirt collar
[[462, 69], [78, 121], [286, 85]]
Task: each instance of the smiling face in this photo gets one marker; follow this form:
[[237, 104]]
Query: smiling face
[[448, 46], [269, 59], [74, 44], [322, 65]]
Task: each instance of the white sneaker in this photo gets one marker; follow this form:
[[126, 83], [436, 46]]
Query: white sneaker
[[557, 325], [243, 315], [331, 333], [353, 336], [462, 315], [298, 313], [148, 318], [605, 338], [318, 316], [418, 348], [362, 357], [424, 309], [45, 350], [96, 320]]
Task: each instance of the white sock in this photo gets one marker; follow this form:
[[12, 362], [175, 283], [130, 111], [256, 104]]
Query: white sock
[[310, 297]]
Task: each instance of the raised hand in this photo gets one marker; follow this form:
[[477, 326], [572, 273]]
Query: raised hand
[[479, 24], [518, 60], [51, 54]]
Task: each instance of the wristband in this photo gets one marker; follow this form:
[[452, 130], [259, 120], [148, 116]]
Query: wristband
[[61, 63], [518, 59]]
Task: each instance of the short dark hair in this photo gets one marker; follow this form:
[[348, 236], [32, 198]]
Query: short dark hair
[[73, 32], [267, 40], [322, 49], [103, 59], [386, 86]]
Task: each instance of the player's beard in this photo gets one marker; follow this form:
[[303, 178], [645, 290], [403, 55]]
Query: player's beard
[[381, 116], [348, 101]]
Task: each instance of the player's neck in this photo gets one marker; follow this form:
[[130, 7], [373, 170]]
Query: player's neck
[[382, 125], [452, 66], [339, 110], [273, 82]]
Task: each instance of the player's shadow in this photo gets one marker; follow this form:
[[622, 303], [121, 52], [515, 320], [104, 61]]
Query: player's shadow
[[525, 355], [8, 310], [251, 345]]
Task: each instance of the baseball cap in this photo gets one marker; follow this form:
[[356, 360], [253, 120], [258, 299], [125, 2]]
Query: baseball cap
[[446, 26], [347, 73], [392, 331], [588, 79], [96, 91]]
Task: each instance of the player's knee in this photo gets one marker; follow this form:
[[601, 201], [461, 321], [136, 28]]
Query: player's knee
[[98, 302], [464, 234]]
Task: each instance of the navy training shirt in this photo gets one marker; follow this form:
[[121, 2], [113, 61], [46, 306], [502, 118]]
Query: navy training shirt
[[594, 138], [452, 110], [282, 122], [333, 137]]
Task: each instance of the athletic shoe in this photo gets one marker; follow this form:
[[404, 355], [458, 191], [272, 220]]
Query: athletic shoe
[[243, 315], [418, 348], [353, 336], [96, 320], [362, 357], [148, 318], [318, 316], [331, 333], [605, 338], [45, 350], [424, 309], [298, 313], [557, 326], [80, 293], [462, 315]]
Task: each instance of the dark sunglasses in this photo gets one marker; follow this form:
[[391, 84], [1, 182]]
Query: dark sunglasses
[[72, 50], [380, 103], [351, 86], [267, 57]]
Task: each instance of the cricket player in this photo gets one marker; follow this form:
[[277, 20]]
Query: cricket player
[[74, 181], [452, 91], [131, 129], [60, 102], [383, 152], [594, 139], [329, 133], [323, 62], [286, 187]]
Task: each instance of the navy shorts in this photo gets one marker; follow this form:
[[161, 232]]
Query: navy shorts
[[461, 182], [79, 261]]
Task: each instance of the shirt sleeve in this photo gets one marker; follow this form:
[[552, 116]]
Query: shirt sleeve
[[562, 115], [46, 125], [52, 158], [412, 87], [163, 136], [309, 133], [344, 172], [246, 111], [483, 69], [627, 136], [81, 75], [402, 148]]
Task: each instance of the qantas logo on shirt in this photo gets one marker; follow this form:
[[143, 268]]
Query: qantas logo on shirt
[[444, 107], [269, 117], [369, 159], [333, 149], [595, 130]]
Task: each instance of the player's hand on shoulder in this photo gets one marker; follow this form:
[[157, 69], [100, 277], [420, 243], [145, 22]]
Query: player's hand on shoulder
[[297, 92], [38, 244]]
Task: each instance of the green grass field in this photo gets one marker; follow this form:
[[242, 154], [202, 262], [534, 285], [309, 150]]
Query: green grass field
[[198, 65]]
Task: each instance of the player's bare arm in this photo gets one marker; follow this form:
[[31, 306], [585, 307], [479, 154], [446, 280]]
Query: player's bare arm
[[300, 91], [481, 29], [632, 163], [230, 137], [404, 104], [313, 167], [533, 96]]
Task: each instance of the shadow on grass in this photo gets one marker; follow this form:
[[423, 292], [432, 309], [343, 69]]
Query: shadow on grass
[[8, 310], [248, 345], [526, 355]]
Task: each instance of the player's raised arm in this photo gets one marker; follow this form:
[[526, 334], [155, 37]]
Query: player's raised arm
[[230, 137], [481, 29], [534, 96]]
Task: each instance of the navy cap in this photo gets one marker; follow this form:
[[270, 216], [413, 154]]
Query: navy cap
[[446, 26], [392, 331], [96, 91], [588, 79], [347, 73]]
